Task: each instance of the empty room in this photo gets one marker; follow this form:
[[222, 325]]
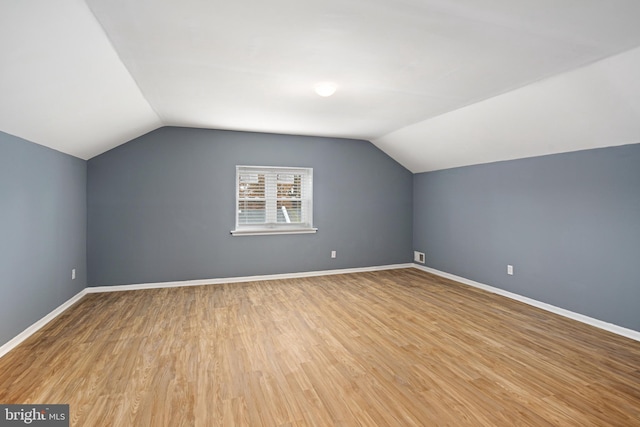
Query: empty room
[[336, 213]]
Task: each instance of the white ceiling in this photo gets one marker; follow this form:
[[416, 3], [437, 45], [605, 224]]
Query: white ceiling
[[434, 83]]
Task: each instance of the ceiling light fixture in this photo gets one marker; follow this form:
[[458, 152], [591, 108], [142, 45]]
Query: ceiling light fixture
[[326, 88]]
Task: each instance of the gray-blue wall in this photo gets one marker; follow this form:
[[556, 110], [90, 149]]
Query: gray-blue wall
[[43, 232], [160, 208], [568, 223]]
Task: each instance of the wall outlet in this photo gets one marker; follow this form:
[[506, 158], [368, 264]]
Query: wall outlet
[[418, 257], [510, 270], [73, 274], [333, 254]]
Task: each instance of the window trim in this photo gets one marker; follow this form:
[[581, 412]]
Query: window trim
[[273, 228]]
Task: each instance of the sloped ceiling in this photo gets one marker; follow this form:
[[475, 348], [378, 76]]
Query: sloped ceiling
[[62, 84], [434, 83]]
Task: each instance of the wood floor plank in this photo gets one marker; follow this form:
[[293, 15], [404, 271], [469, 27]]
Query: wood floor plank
[[398, 347]]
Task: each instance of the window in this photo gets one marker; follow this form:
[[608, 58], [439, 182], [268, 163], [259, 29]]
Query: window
[[273, 200]]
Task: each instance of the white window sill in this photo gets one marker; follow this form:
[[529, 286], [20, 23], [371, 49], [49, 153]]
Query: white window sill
[[269, 231]]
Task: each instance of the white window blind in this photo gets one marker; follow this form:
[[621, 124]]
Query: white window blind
[[271, 200]]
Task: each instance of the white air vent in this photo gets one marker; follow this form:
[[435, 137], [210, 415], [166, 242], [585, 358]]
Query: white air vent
[[418, 257]]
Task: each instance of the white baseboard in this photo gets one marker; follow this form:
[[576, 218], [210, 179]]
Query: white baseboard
[[4, 349], [178, 284], [629, 333], [10, 345]]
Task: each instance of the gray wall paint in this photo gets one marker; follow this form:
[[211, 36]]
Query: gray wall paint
[[568, 223], [43, 232], [160, 208]]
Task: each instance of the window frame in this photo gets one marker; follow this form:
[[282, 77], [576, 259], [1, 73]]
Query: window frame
[[271, 225]]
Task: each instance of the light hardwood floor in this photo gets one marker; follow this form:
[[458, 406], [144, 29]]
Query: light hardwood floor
[[388, 348]]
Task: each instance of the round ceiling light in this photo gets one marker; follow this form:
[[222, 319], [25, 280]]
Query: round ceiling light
[[326, 88]]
